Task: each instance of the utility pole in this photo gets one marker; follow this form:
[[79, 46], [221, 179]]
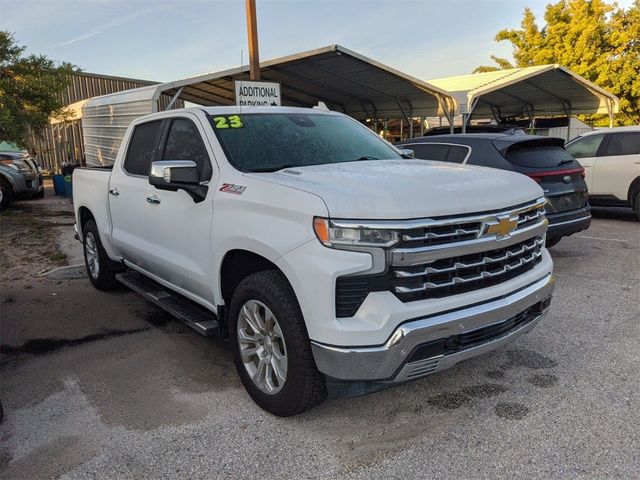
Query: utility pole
[[252, 33]]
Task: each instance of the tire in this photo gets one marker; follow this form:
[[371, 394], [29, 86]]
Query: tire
[[100, 268], [552, 242], [7, 193], [303, 387], [636, 205]]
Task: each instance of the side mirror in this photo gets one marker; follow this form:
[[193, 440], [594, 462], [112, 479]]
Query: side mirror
[[407, 153], [176, 175]]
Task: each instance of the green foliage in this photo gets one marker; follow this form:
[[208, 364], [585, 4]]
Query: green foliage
[[31, 90], [597, 40]]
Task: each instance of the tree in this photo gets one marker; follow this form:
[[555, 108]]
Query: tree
[[597, 40], [31, 90]]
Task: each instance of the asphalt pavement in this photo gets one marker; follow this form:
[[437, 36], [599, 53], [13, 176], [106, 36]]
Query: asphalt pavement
[[105, 385]]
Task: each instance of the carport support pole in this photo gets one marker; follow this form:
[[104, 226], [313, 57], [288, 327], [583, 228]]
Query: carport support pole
[[252, 32], [175, 97]]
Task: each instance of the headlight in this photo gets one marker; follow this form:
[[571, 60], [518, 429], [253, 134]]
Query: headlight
[[333, 233]]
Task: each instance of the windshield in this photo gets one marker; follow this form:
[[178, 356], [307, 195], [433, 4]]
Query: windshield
[[267, 142]]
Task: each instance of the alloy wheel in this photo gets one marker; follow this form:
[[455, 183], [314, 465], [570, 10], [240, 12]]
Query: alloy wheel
[[262, 347]]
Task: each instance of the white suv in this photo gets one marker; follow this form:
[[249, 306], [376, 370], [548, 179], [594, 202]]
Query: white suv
[[611, 159]]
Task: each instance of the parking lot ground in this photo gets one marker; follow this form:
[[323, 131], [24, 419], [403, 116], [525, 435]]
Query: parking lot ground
[[105, 385]]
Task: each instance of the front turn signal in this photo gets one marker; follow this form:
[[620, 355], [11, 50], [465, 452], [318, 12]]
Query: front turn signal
[[321, 227]]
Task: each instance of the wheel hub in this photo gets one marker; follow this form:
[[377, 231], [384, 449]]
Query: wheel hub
[[262, 347], [91, 253]]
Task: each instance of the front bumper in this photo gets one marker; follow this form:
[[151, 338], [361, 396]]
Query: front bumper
[[409, 352]]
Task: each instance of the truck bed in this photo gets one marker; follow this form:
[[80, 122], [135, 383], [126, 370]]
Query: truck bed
[[91, 191]]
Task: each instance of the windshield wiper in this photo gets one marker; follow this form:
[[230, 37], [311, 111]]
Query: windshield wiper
[[270, 169], [364, 157]]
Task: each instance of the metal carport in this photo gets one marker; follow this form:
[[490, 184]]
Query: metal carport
[[344, 80], [544, 90]]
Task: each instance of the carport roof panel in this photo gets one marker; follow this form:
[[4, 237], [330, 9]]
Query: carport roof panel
[[343, 79], [544, 90]]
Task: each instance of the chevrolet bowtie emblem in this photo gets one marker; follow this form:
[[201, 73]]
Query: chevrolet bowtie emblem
[[501, 226]]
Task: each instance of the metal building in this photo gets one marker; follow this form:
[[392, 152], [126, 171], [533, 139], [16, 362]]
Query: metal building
[[62, 141]]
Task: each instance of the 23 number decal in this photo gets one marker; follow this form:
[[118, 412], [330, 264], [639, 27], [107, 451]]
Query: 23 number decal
[[232, 121]]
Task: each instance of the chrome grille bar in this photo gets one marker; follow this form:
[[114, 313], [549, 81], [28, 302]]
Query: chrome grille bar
[[402, 257], [487, 260], [430, 223], [531, 216], [460, 280], [432, 235]]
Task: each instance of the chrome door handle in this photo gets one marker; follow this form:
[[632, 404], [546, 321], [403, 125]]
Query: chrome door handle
[[114, 191], [153, 200]]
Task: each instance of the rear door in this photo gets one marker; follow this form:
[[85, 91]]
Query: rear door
[[128, 186], [585, 150], [618, 164], [181, 250]]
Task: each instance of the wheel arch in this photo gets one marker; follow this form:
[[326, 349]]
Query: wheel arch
[[238, 264], [84, 215], [9, 180], [634, 189]]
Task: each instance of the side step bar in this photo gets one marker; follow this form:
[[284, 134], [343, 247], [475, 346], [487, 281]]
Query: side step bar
[[199, 318]]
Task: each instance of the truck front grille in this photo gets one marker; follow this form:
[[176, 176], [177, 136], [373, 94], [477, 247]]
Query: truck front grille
[[443, 257], [450, 276]]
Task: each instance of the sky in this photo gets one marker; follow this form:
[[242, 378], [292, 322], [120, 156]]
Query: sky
[[167, 40]]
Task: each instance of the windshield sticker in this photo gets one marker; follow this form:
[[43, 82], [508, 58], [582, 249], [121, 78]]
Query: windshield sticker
[[231, 188], [232, 121]]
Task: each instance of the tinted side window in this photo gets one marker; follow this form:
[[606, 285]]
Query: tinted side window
[[623, 144], [585, 146], [142, 148], [184, 142], [457, 154], [432, 151]]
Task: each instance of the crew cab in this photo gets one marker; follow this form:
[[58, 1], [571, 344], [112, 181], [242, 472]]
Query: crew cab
[[332, 263]]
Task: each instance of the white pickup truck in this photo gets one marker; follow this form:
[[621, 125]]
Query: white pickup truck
[[332, 263]]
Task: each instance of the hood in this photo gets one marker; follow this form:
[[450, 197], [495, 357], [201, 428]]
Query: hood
[[404, 189]]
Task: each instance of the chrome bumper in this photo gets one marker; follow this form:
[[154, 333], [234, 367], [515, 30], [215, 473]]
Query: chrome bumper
[[389, 362]]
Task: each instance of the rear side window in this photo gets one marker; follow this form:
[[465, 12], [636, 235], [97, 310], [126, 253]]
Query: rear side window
[[184, 142], [457, 154], [440, 152], [142, 148], [623, 144], [585, 147], [431, 151]]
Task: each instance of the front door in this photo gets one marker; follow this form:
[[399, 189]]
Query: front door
[[585, 150], [618, 165], [179, 227]]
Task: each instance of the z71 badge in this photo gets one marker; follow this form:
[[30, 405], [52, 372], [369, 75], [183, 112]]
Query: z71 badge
[[231, 188]]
